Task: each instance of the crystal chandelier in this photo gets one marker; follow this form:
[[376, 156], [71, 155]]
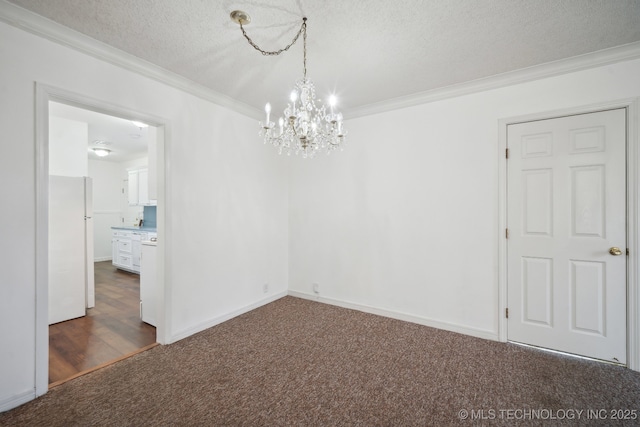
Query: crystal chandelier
[[307, 126]]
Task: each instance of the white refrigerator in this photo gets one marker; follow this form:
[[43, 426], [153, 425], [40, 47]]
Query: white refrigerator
[[71, 273]]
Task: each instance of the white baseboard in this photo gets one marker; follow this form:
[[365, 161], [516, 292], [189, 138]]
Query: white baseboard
[[104, 258], [16, 400], [228, 316], [461, 329]]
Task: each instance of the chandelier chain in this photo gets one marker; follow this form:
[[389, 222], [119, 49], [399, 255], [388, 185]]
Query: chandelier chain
[[304, 43], [303, 29]]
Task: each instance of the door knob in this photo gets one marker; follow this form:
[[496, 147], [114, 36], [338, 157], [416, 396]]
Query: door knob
[[615, 251]]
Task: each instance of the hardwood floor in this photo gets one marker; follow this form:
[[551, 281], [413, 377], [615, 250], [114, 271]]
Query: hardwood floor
[[109, 331]]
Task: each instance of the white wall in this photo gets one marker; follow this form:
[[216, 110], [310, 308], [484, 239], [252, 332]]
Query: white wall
[[107, 204], [130, 214], [68, 147], [405, 220], [226, 212]]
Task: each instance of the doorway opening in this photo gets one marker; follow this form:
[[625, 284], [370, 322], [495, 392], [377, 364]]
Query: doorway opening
[[103, 152], [110, 327]]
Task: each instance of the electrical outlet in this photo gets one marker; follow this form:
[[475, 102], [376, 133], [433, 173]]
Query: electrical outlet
[[316, 288], [265, 288]]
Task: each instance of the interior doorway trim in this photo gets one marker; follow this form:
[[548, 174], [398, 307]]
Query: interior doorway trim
[[632, 106], [44, 94]]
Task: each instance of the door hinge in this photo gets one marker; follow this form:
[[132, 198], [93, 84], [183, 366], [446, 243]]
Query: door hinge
[[506, 313], [506, 233], [506, 153], [627, 251], [123, 191]]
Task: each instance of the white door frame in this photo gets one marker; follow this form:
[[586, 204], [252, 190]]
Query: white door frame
[[44, 94], [633, 210]]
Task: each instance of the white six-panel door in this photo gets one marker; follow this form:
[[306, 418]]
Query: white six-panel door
[[566, 210]]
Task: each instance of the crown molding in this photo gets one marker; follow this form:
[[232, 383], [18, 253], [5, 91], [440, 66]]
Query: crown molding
[[21, 18], [36, 24], [621, 53]]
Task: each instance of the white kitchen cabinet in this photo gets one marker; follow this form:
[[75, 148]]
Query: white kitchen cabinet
[[139, 188], [143, 187], [137, 237], [126, 249], [148, 284], [122, 256], [114, 249]]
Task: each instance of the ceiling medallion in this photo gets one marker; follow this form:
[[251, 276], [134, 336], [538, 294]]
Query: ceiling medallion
[[307, 126]]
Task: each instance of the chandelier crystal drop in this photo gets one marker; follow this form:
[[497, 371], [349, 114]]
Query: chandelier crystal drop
[[307, 126]]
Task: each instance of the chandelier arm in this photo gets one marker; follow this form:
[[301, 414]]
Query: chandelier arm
[[303, 28]]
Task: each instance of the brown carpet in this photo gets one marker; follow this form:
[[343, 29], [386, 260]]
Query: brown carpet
[[297, 362]]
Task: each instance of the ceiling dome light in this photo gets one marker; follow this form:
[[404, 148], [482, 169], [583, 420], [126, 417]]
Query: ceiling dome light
[[101, 152]]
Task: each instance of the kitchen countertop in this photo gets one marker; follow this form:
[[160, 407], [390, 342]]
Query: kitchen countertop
[[133, 228]]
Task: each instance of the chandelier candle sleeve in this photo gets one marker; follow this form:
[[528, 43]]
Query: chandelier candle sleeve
[[293, 97], [267, 109], [307, 127]]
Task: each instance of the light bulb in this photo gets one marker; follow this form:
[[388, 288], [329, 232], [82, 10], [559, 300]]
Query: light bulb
[[267, 109]]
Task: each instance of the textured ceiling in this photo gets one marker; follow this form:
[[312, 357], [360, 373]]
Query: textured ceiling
[[365, 51]]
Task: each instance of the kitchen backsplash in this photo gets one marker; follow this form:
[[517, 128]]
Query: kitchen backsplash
[[150, 217]]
